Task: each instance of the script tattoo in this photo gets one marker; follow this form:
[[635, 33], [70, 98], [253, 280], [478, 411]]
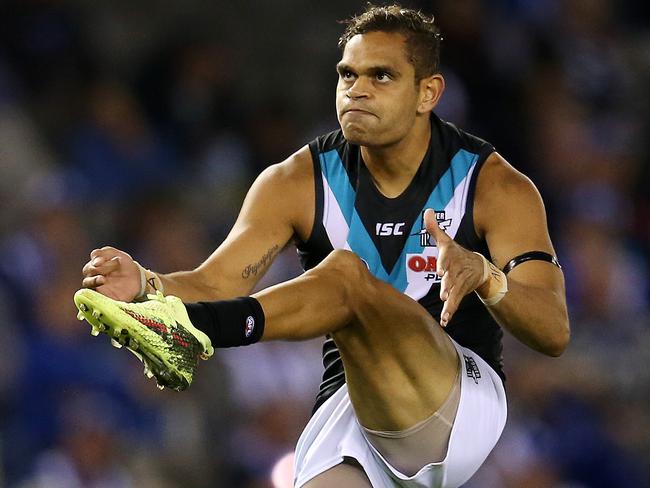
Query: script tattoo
[[253, 269]]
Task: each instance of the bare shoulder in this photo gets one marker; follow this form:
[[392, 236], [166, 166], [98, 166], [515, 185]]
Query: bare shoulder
[[291, 184], [499, 181], [501, 188], [296, 169], [508, 210]]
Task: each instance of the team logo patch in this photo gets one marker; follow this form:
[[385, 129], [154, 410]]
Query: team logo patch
[[443, 222], [250, 326], [421, 267], [472, 368]]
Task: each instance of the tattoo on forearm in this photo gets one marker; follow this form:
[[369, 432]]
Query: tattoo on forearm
[[255, 268]]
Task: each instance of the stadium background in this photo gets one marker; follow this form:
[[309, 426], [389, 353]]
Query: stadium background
[[141, 124]]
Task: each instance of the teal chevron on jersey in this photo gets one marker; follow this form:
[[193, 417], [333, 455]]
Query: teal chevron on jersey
[[356, 236], [458, 169], [360, 242], [457, 176], [339, 182]]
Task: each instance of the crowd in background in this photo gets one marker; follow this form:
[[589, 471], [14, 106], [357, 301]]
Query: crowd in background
[[142, 124]]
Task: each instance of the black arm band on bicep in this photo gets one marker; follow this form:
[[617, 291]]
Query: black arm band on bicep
[[531, 256]]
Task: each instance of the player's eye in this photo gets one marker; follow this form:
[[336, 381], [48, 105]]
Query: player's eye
[[347, 75], [382, 76]]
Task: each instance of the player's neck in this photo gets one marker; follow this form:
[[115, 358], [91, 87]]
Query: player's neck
[[393, 167]]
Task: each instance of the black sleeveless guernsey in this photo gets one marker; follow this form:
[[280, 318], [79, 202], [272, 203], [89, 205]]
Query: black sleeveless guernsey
[[388, 233]]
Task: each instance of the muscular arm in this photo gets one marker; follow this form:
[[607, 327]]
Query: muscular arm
[[509, 213], [278, 206]]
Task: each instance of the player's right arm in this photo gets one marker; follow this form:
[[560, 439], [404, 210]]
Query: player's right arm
[[278, 206]]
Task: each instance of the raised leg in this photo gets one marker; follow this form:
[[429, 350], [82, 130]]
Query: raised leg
[[400, 364]]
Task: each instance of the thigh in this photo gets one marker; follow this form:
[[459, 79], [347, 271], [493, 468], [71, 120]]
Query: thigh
[[400, 365]]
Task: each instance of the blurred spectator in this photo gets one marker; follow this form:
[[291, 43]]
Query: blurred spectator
[[87, 454], [115, 150]]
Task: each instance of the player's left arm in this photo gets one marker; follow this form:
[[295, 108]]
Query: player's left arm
[[509, 213]]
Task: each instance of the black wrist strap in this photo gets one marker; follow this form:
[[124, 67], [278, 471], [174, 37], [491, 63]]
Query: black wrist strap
[[531, 256]]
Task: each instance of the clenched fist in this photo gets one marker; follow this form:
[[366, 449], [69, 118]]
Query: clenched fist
[[113, 273]]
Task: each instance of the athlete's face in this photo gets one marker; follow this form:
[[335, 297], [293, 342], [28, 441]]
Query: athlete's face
[[377, 97]]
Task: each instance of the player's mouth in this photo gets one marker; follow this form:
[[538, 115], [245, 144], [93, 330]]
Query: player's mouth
[[356, 111]]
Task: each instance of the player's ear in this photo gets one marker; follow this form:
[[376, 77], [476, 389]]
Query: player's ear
[[431, 89]]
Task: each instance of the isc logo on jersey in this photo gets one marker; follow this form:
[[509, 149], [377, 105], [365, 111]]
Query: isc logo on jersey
[[389, 229]]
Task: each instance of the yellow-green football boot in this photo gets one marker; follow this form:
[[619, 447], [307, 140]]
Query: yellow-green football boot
[[158, 331]]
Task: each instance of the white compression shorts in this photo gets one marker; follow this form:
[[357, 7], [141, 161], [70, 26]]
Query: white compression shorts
[[334, 433]]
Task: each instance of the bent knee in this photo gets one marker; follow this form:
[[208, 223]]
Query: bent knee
[[345, 264], [347, 272]]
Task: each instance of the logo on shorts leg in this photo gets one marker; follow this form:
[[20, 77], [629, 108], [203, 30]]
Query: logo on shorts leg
[[472, 368], [250, 326]]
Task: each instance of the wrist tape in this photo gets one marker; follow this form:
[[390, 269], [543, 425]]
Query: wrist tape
[[494, 285], [150, 282]]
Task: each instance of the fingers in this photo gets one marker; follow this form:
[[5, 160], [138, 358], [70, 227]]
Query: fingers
[[454, 296], [113, 273], [453, 288], [102, 266], [449, 276], [106, 251], [93, 281], [445, 286], [98, 283], [451, 305], [91, 266], [96, 270]]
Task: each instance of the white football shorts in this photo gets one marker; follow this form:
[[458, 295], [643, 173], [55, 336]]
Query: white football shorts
[[334, 433]]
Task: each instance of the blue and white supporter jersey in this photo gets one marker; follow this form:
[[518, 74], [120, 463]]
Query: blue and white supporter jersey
[[389, 234]]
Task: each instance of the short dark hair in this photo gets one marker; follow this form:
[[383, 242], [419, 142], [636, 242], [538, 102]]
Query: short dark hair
[[422, 35]]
